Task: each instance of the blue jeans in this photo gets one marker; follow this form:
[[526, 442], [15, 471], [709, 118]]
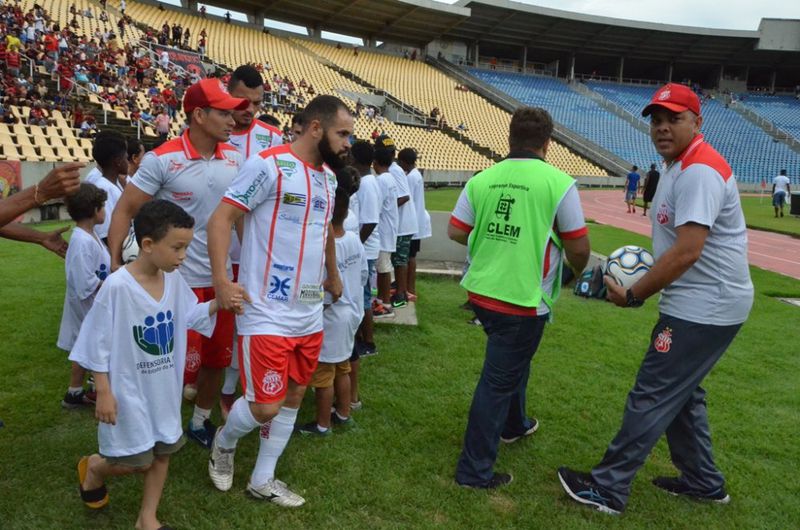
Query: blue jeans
[[498, 405]]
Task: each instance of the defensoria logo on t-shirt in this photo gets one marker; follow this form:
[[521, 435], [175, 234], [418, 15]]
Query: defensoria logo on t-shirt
[[102, 272], [157, 336]]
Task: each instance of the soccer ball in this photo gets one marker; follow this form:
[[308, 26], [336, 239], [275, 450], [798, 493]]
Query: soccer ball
[[130, 249], [629, 263]]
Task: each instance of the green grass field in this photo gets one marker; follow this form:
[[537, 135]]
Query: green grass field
[[395, 469]]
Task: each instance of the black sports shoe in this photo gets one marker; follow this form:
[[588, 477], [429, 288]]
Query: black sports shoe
[[399, 301], [74, 401], [368, 348], [497, 480], [528, 432], [204, 435], [582, 488], [675, 486]]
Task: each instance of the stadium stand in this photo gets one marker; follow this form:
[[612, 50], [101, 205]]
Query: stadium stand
[[783, 111], [752, 153], [426, 88]]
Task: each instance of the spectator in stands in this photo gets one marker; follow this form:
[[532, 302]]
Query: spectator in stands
[[7, 115], [13, 62], [228, 17], [650, 185], [311, 92], [780, 190], [122, 6], [37, 116], [88, 12], [162, 124], [164, 60], [202, 11], [375, 134], [103, 16], [88, 127]]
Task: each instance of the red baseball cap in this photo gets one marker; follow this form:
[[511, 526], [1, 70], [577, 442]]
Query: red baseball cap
[[211, 93], [674, 97]]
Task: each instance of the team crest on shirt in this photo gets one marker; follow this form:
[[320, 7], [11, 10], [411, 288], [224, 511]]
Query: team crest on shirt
[[175, 166], [157, 335], [294, 199], [272, 383], [231, 162], [287, 167], [263, 139], [279, 289], [319, 203], [192, 360], [663, 342], [503, 209], [662, 215]]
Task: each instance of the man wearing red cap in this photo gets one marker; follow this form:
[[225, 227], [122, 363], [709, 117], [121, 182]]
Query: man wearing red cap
[[700, 244], [193, 171]]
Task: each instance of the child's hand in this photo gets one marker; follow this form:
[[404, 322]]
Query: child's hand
[[106, 408]]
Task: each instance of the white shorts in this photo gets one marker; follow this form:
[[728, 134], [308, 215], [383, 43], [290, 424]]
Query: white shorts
[[384, 264]]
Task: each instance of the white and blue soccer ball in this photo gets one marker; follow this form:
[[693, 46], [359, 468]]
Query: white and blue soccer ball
[[628, 264], [130, 249]]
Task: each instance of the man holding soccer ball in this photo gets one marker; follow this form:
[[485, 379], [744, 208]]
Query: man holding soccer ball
[[700, 244]]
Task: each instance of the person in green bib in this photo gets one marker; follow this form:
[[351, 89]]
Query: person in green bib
[[519, 219]]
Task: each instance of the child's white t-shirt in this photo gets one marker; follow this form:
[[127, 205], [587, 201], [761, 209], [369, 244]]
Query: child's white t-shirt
[[141, 343], [87, 264], [341, 319]]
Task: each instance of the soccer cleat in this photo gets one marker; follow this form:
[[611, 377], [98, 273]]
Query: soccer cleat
[[531, 430], [497, 480], [220, 466], [368, 348], [74, 401], [276, 491], [582, 488], [381, 312], [225, 404], [96, 498], [675, 486], [312, 429], [204, 435]]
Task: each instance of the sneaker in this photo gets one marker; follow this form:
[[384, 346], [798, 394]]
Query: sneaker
[[399, 301], [74, 401], [276, 491], [355, 405], [474, 322], [312, 429], [675, 486], [531, 430], [225, 404], [497, 480], [368, 348], [204, 435], [381, 312], [582, 488], [220, 465], [336, 420]]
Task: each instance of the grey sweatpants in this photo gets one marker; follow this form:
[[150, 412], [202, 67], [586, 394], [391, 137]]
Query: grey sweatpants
[[667, 397]]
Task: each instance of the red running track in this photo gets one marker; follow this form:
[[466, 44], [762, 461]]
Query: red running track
[[774, 252]]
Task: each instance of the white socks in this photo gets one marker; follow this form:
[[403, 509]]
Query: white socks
[[240, 422], [274, 438], [200, 416], [231, 378]]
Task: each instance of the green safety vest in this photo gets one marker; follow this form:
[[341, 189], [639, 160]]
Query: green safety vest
[[515, 203]]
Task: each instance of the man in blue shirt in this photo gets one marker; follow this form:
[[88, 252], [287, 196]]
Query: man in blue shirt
[[631, 189]]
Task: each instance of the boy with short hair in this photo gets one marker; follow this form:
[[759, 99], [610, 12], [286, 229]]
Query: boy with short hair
[[134, 340], [388, 223], [87, 265], [340, 321]]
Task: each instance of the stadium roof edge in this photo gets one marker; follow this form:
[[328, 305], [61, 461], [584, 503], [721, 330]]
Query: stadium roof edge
[[611, 21]]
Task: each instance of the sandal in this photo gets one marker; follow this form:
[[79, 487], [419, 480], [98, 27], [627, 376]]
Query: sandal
[[96, 498]]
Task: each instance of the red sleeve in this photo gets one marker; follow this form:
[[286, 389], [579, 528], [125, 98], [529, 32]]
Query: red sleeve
[[461, 225]]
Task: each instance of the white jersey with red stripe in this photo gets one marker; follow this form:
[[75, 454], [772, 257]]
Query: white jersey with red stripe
[[176, 171], [288, 205], [258, 137]]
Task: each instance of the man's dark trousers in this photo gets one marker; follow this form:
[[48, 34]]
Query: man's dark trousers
[[667, 398], [498, 405]]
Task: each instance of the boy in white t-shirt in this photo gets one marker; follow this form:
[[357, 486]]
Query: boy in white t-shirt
[[87, 265], [134, 340], [340, 323]]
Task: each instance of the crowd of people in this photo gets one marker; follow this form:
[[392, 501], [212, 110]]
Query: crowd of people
[[364, 219]]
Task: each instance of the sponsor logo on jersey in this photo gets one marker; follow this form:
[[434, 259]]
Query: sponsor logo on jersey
[[157, 335], [287, 167], [245, 197], [503, 209], [284, 268], [175, 166], [182, 196], [272, 383], [319, 203], [231, 162], [503, 231], [264, 139], [279, 289], [294, 199], [662, 215], [294, 219], [663, 342]]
